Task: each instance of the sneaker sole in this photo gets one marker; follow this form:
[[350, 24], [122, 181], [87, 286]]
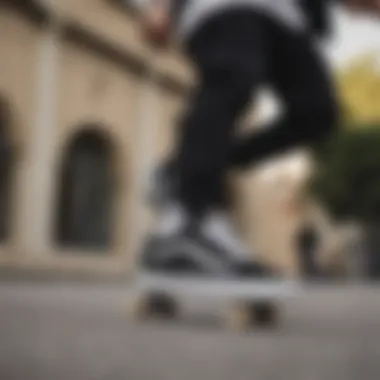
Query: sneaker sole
[[180, 286]]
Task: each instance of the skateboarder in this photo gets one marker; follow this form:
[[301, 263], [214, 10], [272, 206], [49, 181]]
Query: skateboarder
[[236, 46]]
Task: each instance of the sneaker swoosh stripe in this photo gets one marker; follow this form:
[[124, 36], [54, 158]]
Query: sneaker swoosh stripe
[[203, 255]]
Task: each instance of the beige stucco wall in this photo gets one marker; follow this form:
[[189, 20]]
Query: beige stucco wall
[[19, 41], [94, 90]]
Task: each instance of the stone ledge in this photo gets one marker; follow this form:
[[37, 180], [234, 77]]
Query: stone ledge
[[48, 275], [17, 267]]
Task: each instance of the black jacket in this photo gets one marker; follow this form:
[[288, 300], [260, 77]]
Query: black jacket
[[318, 13]]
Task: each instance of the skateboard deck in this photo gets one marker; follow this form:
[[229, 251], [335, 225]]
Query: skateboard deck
[[248, 303]]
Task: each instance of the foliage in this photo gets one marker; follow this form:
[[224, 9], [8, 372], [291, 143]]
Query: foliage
[[347, 181], [359, 89]]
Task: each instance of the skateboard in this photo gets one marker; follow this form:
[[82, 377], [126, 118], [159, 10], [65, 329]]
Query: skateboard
[[246, 303]]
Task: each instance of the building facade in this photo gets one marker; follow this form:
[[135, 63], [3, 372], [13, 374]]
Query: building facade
[[86, 108]]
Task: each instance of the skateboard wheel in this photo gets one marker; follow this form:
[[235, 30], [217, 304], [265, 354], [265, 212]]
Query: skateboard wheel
[[238, 318], [154, 306], [244, 316], [265, 314]]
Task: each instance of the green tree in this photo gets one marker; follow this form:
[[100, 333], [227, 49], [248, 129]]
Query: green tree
[[347, 179]]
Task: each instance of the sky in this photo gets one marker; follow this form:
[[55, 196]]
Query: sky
[[354, 35]]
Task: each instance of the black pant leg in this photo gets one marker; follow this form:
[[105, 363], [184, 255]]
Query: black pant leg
[[301, 79], [230, 57]]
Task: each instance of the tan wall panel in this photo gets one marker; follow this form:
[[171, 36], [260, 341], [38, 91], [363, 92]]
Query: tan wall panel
[[19, 48], [171, 107], [263, 210], [93, 88], [19, 41]]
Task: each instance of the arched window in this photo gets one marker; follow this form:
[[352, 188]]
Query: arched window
[[6, 150], [85, 209]]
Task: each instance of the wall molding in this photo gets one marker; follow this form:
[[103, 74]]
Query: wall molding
[[33, 10]]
